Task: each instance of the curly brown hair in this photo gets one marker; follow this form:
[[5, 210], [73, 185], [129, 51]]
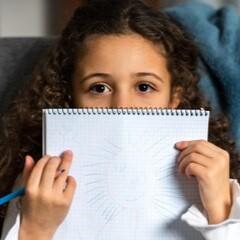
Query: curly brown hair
[[50, 86]]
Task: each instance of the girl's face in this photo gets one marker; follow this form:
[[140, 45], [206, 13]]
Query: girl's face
[[122, 71]]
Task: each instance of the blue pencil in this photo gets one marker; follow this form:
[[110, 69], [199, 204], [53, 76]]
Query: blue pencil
[[19, 192]]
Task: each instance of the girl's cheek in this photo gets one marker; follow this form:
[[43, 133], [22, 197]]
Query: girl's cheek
[[92, 101]]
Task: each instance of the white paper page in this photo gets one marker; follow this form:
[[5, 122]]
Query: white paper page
[[126, 170]]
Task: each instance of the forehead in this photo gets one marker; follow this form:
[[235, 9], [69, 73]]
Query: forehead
[[131, 39], [115, 49]]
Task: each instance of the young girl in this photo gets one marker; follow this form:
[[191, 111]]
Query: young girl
[[115, 54]]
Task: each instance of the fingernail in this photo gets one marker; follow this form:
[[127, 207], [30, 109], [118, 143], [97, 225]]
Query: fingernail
[[178, 144], [68, 152], [27, 158]]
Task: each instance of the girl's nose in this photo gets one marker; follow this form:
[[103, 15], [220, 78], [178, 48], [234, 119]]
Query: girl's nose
[[121, 100]]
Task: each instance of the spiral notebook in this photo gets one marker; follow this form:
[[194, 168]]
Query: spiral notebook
[[125, 166]]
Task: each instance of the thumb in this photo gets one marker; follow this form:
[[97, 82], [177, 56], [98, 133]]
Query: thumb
[[28, 166]]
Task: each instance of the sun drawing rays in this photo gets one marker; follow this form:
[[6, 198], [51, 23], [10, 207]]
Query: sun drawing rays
[[107, 167], [95, 176], [162, 156]]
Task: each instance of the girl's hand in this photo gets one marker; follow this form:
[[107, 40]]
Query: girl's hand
[[210, 165], [48, 196]]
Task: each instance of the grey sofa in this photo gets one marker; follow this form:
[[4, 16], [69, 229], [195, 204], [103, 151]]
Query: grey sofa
[[17, 59]]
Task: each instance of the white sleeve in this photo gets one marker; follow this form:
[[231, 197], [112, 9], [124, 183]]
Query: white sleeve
[[226, 230], [12, 220], [11, 224]]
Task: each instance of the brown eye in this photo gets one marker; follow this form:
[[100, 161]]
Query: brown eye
[[98, 88], [143, 87]]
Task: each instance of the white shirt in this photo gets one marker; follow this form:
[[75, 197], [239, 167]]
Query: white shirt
[[194, 217], [226, 230]]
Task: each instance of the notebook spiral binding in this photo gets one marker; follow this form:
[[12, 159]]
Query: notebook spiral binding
[[127, 111]]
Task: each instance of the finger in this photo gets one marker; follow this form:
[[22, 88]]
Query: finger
[[196, 170], [198, 147], [60, 179], [49, 172], [28, 166], [184, 144], [69, 190], [193, 158], [66, 160], [35, 176]]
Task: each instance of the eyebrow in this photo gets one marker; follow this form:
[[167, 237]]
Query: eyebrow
[[95, 75], [105, 75], [143, 74]]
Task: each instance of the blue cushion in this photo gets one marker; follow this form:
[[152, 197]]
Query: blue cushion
[[217, 33]]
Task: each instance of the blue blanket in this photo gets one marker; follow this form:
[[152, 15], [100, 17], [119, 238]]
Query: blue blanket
[[217, 33]]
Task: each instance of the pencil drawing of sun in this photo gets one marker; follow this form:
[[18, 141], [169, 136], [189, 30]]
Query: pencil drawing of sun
[[118, 180]]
